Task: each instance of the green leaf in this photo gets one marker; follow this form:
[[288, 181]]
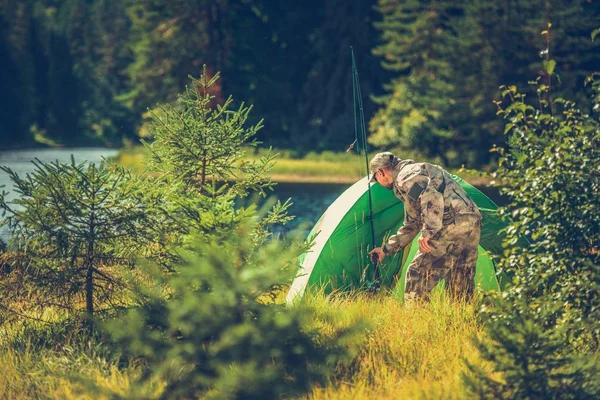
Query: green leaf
[[549, 66], [595, 33]]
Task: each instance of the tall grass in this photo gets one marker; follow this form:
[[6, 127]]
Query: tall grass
[[68, 373], [408, 351], [60, 361], [416, 350]]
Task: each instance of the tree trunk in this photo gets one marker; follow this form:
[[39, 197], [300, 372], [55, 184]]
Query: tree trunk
[[203, 172], [89, 279], [89, 289]]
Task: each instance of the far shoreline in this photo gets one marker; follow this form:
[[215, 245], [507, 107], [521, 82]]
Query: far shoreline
[[334, 169]]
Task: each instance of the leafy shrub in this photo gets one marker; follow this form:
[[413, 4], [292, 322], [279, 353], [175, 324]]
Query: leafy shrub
[[213, 329], [544, 331]]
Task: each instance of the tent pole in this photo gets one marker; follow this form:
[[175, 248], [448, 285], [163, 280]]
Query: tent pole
[[358, 102]]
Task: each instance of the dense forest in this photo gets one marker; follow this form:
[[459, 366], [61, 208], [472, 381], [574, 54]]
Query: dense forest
[[82, 72]]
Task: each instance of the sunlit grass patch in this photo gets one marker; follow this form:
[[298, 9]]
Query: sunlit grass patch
[[59, 359], [333, 167], [313, 167], [415, 350], [132, 157], [80, 371], [409, 351], [293, 170]]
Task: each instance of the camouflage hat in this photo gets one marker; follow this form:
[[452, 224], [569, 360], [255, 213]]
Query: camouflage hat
[[382, 161]]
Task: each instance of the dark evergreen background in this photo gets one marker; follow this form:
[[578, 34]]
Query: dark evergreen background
[[83, 72]]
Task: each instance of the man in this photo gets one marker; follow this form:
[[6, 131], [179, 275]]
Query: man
[[449, 222]]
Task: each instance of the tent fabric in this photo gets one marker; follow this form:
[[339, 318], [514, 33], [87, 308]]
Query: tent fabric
[[339, 256]]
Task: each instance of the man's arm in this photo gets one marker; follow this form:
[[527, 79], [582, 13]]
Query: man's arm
[[406, 233]]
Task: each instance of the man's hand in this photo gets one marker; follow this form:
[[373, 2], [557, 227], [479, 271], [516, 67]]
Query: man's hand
[[377, 255], [424, 245]]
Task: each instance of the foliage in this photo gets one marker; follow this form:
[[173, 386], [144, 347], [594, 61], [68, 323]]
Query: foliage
[[544, 331], [552, 175], [74, 228], [408, 352], [325, 110], [61, 71], [531, 355], [85, 72], [201, 139], [213, 331], [448, 58], [417, 112], [170, 40], [197, 158]]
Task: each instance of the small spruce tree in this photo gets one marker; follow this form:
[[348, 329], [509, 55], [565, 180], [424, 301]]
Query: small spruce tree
[[199, 159], [73, 228], [215, 330]]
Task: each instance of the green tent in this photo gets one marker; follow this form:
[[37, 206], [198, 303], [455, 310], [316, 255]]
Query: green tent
[[339, 260]]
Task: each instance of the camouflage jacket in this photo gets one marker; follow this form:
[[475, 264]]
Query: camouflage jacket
[[431, 199]]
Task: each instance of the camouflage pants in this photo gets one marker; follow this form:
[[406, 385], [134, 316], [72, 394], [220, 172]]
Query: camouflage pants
[[453, 258]]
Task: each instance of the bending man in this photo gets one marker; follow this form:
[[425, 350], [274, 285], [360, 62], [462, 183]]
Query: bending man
[[449, 222]]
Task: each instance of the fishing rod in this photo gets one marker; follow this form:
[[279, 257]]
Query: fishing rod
[[357, 103]]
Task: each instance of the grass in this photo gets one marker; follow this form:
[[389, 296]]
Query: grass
[[60, 374], [325, 167], [52, 361], [407, 351], [338, 168], [410, 351]]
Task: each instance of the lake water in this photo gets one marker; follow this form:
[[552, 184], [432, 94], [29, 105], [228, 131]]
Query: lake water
[[309, 200], [20, 161]]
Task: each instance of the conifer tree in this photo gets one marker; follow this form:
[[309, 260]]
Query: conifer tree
[[74, 229], [325, 108], [450, 57], [170, 40], [420, 110], [198, 154], [214, 331]]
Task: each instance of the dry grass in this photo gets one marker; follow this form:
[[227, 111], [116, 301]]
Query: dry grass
[[35, 374], [412, 351], [47, 363]]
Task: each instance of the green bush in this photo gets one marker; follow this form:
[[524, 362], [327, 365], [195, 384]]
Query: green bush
[[544, 330], [213, 329]]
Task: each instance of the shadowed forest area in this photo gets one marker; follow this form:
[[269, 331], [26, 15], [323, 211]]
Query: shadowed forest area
[[86, 72]]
